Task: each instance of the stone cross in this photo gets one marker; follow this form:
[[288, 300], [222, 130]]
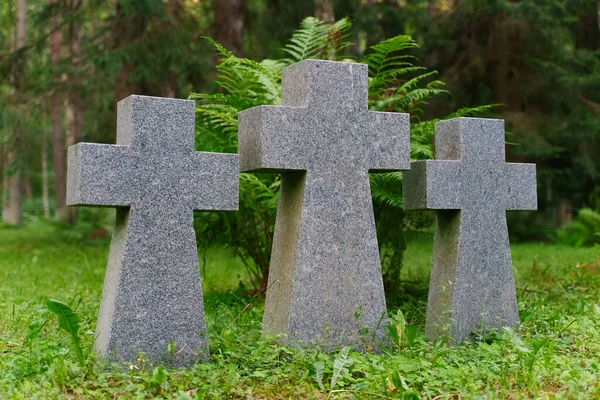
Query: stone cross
[[325, 283], [152, 297], [472, 285]]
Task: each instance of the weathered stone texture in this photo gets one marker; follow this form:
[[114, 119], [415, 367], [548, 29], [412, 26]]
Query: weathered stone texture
[[325, 281], [152, 292], [472, 285]]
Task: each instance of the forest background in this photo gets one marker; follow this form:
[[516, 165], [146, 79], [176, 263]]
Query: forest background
[[64, 64]]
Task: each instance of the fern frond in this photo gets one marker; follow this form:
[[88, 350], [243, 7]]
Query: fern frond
[[306, 41], [317, 39], [386, 189], [384, 57], [248, 78], [338, 39], [472, 111], [420, 151], [382, 82], [412, 84], [245, 84]]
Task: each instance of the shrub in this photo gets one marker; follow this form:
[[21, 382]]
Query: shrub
[[583, 231]]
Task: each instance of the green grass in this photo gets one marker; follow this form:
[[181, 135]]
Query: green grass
[[555, 354]]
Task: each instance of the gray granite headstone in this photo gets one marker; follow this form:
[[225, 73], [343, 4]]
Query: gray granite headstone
[[470, 184], [152, 293], [325, 282]]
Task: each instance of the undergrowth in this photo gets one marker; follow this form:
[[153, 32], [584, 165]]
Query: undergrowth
[[555, 354]]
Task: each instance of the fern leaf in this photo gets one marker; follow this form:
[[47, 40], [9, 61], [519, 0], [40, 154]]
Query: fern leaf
[[306, 40], [220, 48], [382, 56], [471, 111], [411, 84], [317, 39]]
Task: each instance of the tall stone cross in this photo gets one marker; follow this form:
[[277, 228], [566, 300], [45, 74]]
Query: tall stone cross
[[325, 283], [471, 186], [152, 295]]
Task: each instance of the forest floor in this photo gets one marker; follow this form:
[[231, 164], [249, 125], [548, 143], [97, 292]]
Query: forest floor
[[554, 354]]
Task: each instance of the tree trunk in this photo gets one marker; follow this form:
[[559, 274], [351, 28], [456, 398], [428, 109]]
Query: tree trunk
[[26, 187], [58, 145], [4, 165], [45, 198], [74, 101], [126, 29], [324, 10], [74, 106], [11, 209], [599, 15], [229, 24]]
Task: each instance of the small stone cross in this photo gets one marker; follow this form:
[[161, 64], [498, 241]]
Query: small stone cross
[[470, 184], [152, 295], [325, 284]]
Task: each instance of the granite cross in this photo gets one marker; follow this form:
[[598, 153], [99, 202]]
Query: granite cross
[[471, 186], [152, 295], [325, 285]]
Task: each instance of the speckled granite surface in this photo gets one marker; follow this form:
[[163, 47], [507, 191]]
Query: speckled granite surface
[[325, 281], [152, 292], [471, 186]]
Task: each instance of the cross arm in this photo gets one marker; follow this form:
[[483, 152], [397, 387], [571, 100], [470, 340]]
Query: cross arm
[[271, 138], [432, 184], [213, 182], [388, 137], [98, 174], [522, 186]]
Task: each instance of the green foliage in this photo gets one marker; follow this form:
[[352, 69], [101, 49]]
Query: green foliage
[[68, 320], [583, 231], [389, 88], [317, 39], [248, 233], [539, 58], [395, 84]]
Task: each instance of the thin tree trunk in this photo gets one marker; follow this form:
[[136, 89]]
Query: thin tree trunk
[[74, 108], [74, 102], [431, 8], [126, 29], [45, 198], [58, 147], [229, 24], [5, 178], [324, 10], [26, 187], [599, 15], [3, 165], [11, 209], [73, 117]]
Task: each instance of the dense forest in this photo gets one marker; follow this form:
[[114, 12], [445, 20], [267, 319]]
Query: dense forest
[[64, 64]]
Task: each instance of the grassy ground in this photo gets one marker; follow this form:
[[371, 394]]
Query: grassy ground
[[555, 354]]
